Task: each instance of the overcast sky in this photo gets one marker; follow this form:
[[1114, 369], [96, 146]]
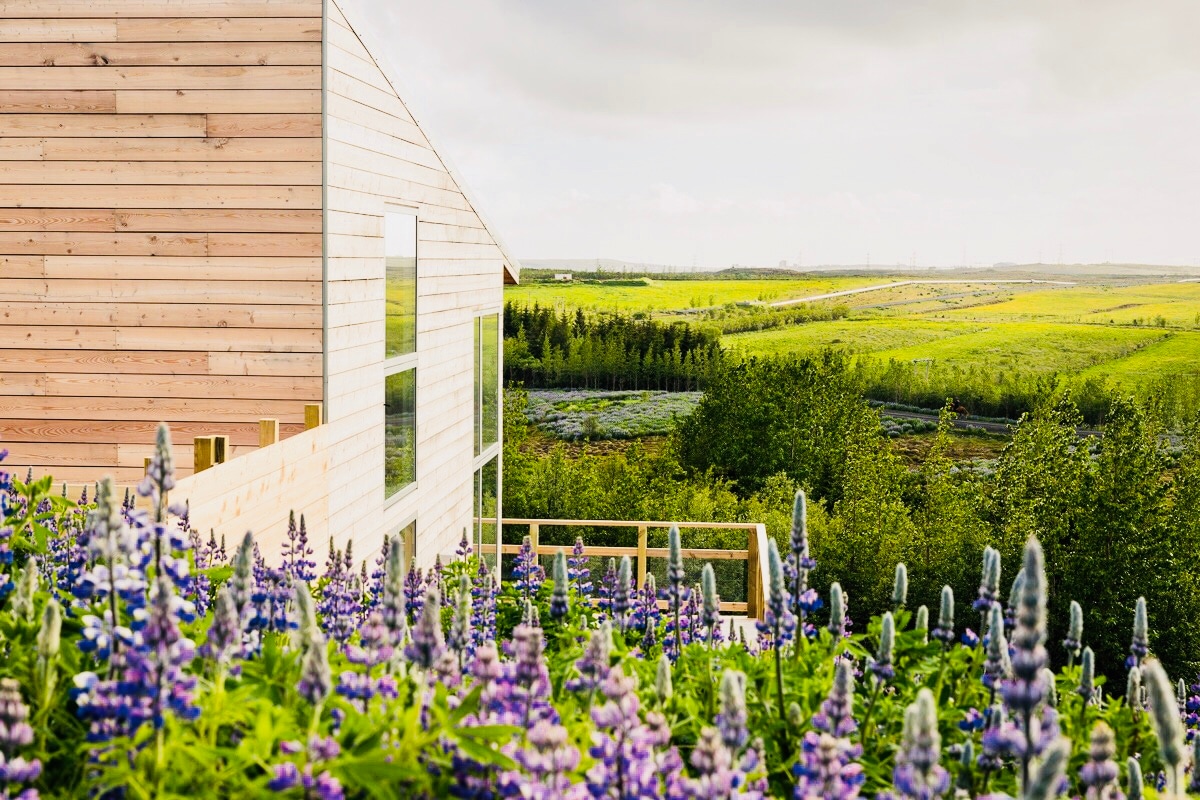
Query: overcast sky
[[824, 131]]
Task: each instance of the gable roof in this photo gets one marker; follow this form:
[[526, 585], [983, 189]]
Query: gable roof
[[378, 53]]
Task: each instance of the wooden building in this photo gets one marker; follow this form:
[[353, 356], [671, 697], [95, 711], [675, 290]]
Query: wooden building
[[218, 211]]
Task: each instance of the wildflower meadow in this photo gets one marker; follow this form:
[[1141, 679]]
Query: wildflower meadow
[[142, 659]]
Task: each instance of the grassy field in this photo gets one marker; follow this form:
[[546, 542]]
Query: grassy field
[[1134, 331], [661, 297]]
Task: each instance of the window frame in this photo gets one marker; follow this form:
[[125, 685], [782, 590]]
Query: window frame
[[494, 451], [408, 361]]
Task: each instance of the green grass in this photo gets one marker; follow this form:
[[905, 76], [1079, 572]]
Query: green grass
[[854, 335], [1129, 332], [664, 296]]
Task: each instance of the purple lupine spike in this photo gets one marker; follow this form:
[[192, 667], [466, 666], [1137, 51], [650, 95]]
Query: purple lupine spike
[[316, 679], [996, 666], [731, 721], [1139, 647], [593, 666], [621, 589], [297, 554], [1100, 771], [414, 591], [483, 606], [460, 640], [826, 769], [527, 572], [559, 599], [989, 584], [225, 632], [608, 585], [627, 751], [427, 643], [944, 632], [577, 569], [836, 716], [917, 774], [464, 549], [158, 666], [392, 604]]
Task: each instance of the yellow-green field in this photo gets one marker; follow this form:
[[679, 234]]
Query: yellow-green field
[[1128, 331], [666, 296]]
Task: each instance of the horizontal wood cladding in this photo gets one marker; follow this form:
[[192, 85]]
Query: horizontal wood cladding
[[105, 9], [160, 226]]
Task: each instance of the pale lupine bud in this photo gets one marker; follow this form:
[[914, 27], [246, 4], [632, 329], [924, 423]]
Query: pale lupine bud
[[559, 599], [49, 636], [944, 632], [1074, 640], [1133, 689], [731, 721], [882, 667], [662, 679], [837, 611], [27, 583], [989, 585], [1194, 783], [1099, 774], [1087, 675], [921, 623], [242, 581], [621, 602], [966, 762], [708, 593], [1139, 648], [900, 586], [316, 679], [1133, 785], [1051, 687], [394, 602], [1048, 775], [1014, 597], [917, 773], [460, 623], [307, 628], [996, 666], [795, 715], [1164, 716], [1181, 694]]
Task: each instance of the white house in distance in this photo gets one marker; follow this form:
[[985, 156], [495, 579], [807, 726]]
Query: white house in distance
[[216, 212]]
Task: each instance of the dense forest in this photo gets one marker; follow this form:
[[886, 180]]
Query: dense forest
[[1104, 508]]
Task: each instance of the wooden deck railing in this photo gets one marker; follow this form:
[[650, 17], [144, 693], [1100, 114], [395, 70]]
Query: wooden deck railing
[[754, 554]]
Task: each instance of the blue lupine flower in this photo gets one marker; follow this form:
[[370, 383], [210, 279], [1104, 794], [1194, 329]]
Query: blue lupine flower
[[917, 774], [559, 599]]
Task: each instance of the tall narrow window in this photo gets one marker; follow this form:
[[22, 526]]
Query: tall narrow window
[[400, 352], [400, 242], [487, 382]]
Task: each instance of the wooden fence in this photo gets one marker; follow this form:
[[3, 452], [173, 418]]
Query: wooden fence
[[754, 555]]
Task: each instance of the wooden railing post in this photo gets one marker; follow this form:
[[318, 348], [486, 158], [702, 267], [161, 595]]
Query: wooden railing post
[[753, 582], [220, 449], [268, 432], [641, 555], [203, 454], [314, 415], [533, 535]]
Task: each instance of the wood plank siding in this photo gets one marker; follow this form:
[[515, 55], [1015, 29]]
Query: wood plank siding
[[160, 226], [378, 154]]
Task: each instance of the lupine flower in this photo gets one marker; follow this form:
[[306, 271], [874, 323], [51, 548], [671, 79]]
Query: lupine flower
[[1014, 598], [1133, 689], [996, 665], [989, 586], [392, 601], [1087, 675], [620, 596], [1133, 785], [15, 734], [1139, 647], [1167, 726], [996, 741], [593, 666], [527, 572], [826, 769], [731, 721], [26, 588], [464, 549], [558, 600], [646, 615], [157, 667], [483, 606], [548, 762], [1100, 772], [297, 554], [577, 569], [662, 679], [778, 620], [675, 592], [1048, 777], [917, 774], [241, 583], [882, 665], [944, 632], [460, 640], [1026, 689], [965, 781], [1074, 641], [414, 590], [921, 621], [374, 649], [225, 632], [900, 587], [608, 584], [799, 562], [710, 618], [531, 679], [837, 612], [836, 716], [628, 764], [427, 644], [316, 679]]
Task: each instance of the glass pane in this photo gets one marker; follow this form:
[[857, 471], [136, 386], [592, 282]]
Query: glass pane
[[399, 431], [408, 541], [478, 397], [487, 483], [491, 379], [400, 249]]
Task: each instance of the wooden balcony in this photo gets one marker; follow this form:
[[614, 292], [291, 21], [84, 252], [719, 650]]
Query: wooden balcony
[[754, 554]]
